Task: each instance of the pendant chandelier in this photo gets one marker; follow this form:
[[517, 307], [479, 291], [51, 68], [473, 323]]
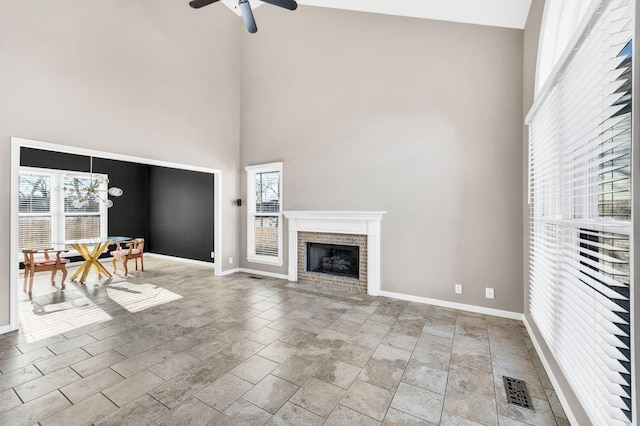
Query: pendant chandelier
[[95, 189]]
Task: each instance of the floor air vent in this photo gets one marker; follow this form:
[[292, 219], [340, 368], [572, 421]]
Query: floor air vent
[[517, 393]]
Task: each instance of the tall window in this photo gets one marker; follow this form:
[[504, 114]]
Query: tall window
[[264, 213], [561, 19], [580, 215], [35, 210], [46, 213]]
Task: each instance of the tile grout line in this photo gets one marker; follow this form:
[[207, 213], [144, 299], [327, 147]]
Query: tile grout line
[[18, 395], [453, 338]]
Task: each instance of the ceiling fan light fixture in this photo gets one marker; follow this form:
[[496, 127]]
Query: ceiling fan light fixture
[[244, 7], [247, 15]]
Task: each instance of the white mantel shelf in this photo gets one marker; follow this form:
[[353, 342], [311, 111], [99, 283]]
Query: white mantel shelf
[[302, 214], [339, 222]]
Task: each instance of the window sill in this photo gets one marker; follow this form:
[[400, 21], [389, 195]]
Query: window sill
[[265, 261]]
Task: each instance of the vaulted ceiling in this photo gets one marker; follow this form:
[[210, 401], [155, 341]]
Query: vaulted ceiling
[[498, 13]]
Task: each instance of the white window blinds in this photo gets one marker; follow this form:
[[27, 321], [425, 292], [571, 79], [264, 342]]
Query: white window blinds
[[46, 213], [35, 212], [264, 213], [80, 222], [580, 215]]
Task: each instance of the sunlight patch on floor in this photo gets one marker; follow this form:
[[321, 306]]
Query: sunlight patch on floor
[[138, 297], [50, 311], [39, 322]]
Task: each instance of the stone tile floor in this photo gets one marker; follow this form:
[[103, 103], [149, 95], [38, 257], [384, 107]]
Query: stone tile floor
[[175, 345]]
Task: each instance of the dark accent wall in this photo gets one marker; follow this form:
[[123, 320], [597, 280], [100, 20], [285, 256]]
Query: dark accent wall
[[181, 212], [171, 209], [129, 215]]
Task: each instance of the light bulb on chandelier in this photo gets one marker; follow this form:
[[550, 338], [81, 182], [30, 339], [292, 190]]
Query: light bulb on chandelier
[[93, 190]]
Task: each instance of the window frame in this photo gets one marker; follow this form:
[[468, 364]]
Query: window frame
[[57, 208], [581, 256], [252, 214], [52, 201]]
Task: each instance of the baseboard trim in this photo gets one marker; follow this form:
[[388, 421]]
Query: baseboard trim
[[6, 328], [454, 305], [263, 273], [552, 377], [229, 272], [180, 259]]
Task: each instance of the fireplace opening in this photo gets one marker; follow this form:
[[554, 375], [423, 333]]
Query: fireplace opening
[[332, 259]]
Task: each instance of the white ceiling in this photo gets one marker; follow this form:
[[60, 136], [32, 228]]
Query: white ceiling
[[497, 13]]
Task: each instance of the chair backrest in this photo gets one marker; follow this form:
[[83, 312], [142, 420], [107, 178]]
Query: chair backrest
[[138, 244], [129, 246], [29, 255]]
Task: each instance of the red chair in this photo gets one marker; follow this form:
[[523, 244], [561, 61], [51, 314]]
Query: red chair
[[33, 264], [133, 249]]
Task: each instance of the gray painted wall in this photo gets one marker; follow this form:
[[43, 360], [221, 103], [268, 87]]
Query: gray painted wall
[[148, 78], [422, 119]]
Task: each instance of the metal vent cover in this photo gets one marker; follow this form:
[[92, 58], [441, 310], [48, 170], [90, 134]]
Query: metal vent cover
[[517, 393]]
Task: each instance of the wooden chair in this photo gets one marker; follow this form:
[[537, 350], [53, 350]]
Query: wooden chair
[[133, 249], [33, 263]]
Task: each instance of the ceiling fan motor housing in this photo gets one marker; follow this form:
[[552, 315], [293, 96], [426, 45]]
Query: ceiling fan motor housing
[[245, 9]]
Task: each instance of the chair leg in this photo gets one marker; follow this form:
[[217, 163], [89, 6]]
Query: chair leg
[[31, 282], [124, 263], [136, 260], [53, 277], [114, 265], [27, 272], [64, 275], [141, 263]]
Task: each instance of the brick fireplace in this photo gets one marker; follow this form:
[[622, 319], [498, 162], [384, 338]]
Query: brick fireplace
[[359, 231], [307, 274]]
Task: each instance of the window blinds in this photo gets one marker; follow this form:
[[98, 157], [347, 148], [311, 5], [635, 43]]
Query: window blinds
[[34, 204], [46, 213], [267, 203], [264, 213], [83, 222], [580, 216]]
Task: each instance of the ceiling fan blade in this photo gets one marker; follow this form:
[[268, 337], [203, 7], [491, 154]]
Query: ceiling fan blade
[[247, 15], [197, 4], [287, 4]]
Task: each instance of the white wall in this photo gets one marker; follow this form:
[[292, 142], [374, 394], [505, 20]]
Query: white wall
[[422, 119], [148, 78]]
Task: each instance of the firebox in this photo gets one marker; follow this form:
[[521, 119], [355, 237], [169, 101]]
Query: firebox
[[332, 259]]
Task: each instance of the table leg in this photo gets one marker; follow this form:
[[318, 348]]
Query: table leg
[[84, 252], [97, 251], [91, 260]]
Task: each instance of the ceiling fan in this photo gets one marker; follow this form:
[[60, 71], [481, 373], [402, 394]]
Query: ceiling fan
[[245, 9]]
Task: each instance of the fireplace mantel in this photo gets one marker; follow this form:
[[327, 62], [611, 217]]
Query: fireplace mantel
[[338, 222]]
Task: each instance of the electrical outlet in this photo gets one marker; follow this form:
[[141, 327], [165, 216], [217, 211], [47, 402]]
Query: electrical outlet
[[458, 288], [213, 255], [488, 293], [231, 260]]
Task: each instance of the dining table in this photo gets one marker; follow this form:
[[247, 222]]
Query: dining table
[[90, 249]]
